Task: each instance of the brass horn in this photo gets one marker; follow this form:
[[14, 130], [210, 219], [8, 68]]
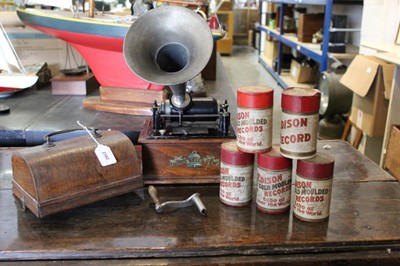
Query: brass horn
[[169, 45]]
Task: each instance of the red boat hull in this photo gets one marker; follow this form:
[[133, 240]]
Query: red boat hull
[[100, 44], [104, 57]]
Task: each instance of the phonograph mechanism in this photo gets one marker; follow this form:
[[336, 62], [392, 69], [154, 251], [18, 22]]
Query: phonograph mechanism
[[181, 143]]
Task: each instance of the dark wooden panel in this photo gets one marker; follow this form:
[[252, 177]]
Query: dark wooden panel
[[128, 226], [350, 164], [362, 258], [365, 213], [50, 179], [183, 161]]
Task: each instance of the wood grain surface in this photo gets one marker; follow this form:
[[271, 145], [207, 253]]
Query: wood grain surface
[[67, 174], [363, 225]]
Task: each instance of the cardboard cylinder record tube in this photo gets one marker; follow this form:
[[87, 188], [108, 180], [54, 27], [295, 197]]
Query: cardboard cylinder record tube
[[299, 122], [236, 175], [274, 175], [313, 188], [254, 118]]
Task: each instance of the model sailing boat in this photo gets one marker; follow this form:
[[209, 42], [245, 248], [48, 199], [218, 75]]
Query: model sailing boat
[[13, 76], [97, 37]]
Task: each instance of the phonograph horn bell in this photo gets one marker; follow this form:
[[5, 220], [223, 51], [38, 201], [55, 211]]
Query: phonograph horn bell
[[169, 45]]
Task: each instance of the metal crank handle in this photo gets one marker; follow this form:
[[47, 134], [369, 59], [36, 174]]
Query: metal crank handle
[[200, 205], [160, 207]]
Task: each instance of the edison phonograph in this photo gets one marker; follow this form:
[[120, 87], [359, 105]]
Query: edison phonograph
[[170, 45]]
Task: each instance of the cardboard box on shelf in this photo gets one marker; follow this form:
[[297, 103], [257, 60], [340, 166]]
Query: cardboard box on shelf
[[369, 78], [392, 159], [301, 73], [308, 25], [271, 50]]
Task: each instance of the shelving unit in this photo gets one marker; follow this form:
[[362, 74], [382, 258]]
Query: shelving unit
[[7, 6], [317, 52], [224, 46], [243, 20]]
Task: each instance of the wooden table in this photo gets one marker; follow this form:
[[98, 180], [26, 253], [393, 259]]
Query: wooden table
[[363, 226]]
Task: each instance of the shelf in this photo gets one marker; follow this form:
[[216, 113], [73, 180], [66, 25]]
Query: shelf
[[300, 2], [316, 52], [224, 46], [310, 50], [272, 32], [284, 79], [351, 52], [387, 51], [315, 2], [275, 75], [245, 8], [224, 12]]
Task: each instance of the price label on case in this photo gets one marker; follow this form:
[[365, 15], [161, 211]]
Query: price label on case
[[103, 152], [105, 155]]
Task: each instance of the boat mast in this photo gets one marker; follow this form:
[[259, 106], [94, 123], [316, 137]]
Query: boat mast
[[91, 9], [9, 60]]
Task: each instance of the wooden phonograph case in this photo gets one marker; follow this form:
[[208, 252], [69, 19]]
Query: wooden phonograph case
[[58, 176]]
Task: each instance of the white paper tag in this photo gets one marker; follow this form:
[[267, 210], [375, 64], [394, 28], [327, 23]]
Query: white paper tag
[[103, 152], [105, 155]]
